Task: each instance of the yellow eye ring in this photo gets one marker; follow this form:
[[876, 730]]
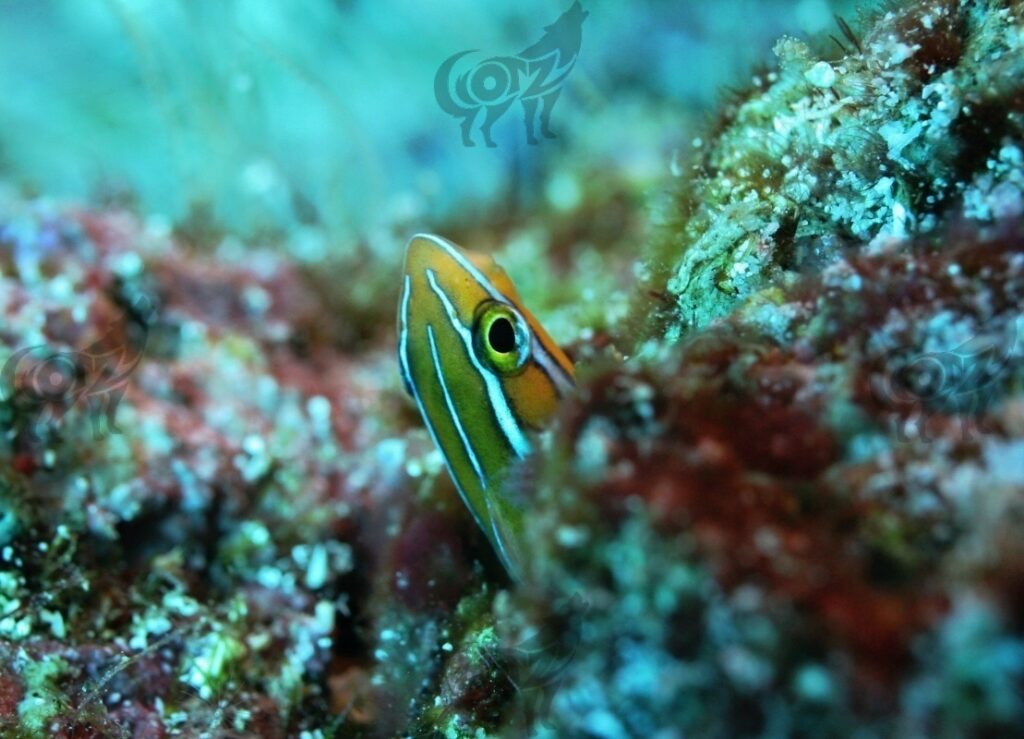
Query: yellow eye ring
[[502, 338]]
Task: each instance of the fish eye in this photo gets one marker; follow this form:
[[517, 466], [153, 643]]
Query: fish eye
[[501, 335], [503, 338]]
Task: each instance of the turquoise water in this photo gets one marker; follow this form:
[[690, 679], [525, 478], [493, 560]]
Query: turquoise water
[[274, 115]]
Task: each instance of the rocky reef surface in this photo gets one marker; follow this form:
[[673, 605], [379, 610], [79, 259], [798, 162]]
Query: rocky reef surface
[[788, 499]]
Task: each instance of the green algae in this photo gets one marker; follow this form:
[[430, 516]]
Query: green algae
[[209, 662], [43, 697]]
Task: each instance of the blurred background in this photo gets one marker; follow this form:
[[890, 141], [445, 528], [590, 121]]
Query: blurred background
[[312, 124]]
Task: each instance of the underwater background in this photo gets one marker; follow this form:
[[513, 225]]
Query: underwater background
[[781, 241]]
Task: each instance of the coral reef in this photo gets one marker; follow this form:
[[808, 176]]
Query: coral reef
[[787, 500], [184, 569], [789, 535], [918, 123]]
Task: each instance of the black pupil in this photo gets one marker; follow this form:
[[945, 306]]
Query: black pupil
[[502, 336]]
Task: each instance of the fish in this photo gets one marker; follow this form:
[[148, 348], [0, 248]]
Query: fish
[[484, 374]]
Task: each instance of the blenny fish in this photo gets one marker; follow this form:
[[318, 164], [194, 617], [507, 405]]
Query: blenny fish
[[483, 373]]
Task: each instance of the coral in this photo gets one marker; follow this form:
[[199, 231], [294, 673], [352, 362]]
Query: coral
[[798, 520], [176, 551], [773, 530], [893, 138]]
